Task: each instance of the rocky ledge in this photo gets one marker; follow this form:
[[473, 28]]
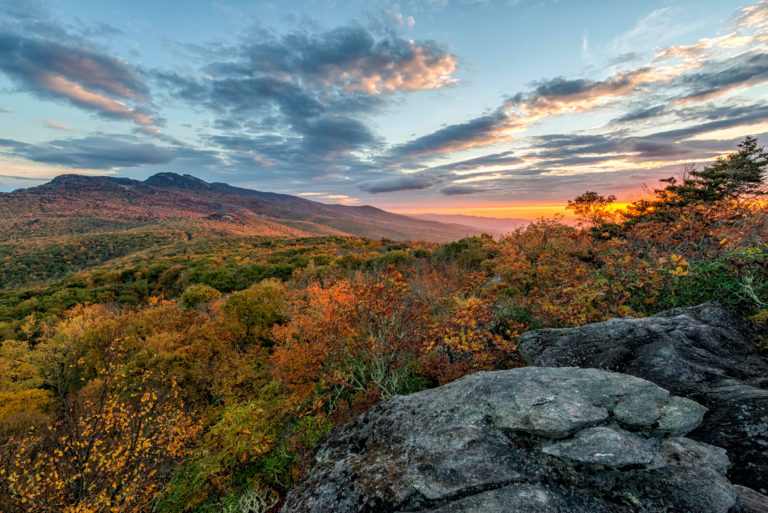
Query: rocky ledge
[[534, 439], [702, 353]]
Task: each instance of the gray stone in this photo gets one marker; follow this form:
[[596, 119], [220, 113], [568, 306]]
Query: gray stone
[[610, 447], [713, 457], [520, 499], [640, 410], [516, 440], [752, 501], [703, 353], [680, 416], [689, 466]]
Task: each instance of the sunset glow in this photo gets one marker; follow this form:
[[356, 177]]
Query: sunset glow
[[502, 109], [530, 212]]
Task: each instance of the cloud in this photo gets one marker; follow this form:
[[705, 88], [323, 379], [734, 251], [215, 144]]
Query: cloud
[[642, 114], [56, 125], [329, 136], [397, 183], [299, 101], [294, 110], [505, 158], [455, 190], [665, 147], [753, 16], [90, 152], [748, 69], [659, 25], [624, 58], [351, 59], [481, 131], [555, 165], [47, 61], [680, 74], [549, 98], [305, 73], [336, 198]]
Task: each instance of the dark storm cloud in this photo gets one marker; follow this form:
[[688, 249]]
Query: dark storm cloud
[[90, 152]]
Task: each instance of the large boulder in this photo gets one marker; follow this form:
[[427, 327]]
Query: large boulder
[[703, 353], [525, 440]]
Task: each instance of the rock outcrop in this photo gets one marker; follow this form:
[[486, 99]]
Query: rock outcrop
[[702, 353], [525, 440]]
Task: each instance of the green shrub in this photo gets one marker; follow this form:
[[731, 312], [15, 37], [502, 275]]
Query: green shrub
[[198, 295]]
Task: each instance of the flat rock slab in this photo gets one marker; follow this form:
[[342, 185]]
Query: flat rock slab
[[752, 501], [610, 447], [703, 353], [531, 439]]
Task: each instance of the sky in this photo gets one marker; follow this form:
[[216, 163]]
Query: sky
[[499, 108]]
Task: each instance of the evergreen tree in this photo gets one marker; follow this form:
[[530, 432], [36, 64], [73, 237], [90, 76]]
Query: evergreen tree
[[735, 175]]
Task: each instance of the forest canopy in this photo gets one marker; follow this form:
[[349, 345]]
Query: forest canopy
[[198, 375]]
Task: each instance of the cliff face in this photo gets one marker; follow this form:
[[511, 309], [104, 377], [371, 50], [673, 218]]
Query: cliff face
[[564, 439]]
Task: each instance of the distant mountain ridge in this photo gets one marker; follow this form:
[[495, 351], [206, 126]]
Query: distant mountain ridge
[[497, 226], [72, 198]]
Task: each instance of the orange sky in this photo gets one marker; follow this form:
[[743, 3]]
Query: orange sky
[[532, 211]]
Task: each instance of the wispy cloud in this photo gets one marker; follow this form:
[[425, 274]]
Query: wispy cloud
[[42, 58], [89, 152], [675, 83], [56, 125], [686, 73], [299, 100], [298, 109]]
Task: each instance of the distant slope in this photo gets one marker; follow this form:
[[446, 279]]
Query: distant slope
[[76, 222], [492, 225], [80, 204]]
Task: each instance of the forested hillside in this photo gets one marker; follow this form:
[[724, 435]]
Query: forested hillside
[[195, 373], [75, 222]]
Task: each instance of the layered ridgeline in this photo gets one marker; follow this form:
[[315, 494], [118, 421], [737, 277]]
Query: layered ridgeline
[[78, 204], [74, 221]]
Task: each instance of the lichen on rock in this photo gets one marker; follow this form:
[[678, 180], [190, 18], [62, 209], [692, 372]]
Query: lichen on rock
[[530, 439]]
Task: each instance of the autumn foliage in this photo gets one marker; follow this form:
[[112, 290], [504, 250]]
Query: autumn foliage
[[201, 379]]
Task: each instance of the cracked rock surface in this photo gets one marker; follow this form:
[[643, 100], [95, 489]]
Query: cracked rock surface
[[702, 353], [532, 439]]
